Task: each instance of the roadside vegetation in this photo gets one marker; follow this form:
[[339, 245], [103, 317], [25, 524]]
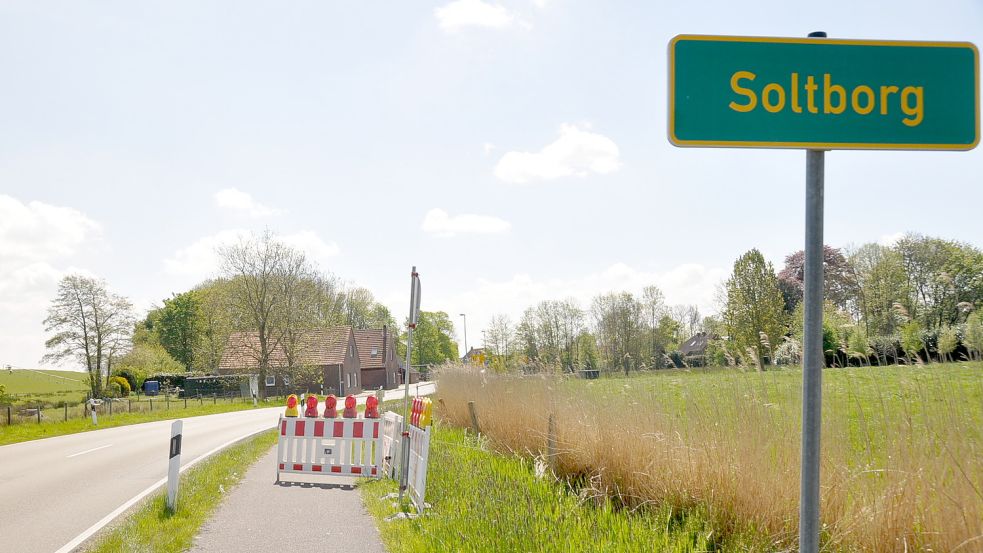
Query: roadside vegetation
[[486, 501], [902, 447], [29, 430], [154, 528]]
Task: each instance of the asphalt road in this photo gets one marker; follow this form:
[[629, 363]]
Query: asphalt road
[[54, 490]]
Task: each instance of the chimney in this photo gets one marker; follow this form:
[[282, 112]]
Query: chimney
[[385, 331]]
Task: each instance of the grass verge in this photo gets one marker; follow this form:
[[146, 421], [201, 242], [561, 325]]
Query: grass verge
[[902, 468], [26, 431], [154, 529], [484, 501]]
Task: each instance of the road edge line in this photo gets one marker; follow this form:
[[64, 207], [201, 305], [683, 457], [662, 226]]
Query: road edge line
[[89, 532]]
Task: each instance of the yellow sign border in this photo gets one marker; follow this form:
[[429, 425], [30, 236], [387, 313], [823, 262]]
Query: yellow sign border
[[816, 145]]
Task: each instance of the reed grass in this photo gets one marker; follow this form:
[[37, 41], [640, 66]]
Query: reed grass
[[902, 458]]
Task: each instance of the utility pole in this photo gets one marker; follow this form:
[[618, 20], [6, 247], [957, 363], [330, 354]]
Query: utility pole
[[465, 337]]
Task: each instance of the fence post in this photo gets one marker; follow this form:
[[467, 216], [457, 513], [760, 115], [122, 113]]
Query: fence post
[[474, 418], [551, 443], [185, 402], [214, 399], [167, 399], [151, 405], [129, 406], [39, 413], [110, 406], [66, 411], [8, 415]]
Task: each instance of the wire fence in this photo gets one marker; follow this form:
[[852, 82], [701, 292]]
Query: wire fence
[[40, 413]]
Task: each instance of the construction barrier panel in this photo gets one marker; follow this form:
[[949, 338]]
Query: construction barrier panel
[[334, 447], [392, 426], [419, 455]]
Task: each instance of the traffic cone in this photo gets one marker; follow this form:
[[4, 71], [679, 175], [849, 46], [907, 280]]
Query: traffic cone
[[330, 407], [371, 408], [311, 411], [350, 411], [427, 415], [291, 406]]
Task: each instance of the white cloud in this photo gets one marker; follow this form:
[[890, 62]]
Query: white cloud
[[242, 202], [440, 223], [36, 242], [473, 13], [200, 259], [37, 231], [577, 152], [487, 148]]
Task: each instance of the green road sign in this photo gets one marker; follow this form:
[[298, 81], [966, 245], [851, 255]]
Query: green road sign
[[823, 93]]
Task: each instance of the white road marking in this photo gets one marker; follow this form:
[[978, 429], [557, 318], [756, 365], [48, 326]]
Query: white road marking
[[70, 546], [89, 451]]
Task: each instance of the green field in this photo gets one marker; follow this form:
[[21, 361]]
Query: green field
[[30, 386], [902, 459]]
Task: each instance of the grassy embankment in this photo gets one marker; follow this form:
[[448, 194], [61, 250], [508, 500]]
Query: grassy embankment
[[29, 387], [153, 528], [484, 501], [902, 449]]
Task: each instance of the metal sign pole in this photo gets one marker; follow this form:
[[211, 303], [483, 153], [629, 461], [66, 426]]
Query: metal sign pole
[[812, 350], [174, 464], [405, 438]]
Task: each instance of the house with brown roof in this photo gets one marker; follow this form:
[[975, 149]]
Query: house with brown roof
[[377, 358], [332, 352]]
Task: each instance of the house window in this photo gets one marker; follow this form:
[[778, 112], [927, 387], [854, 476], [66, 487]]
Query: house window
[[349, 380], [375, 352], [271, 381], [351, 350]]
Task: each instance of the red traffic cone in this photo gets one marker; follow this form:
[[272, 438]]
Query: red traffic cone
[[291, 406], [371, 408], [311, 411], [330, 407], [350, 411]]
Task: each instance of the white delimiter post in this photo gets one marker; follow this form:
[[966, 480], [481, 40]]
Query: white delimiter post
[[174, 464]]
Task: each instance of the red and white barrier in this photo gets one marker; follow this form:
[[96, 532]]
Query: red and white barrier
[[334, 447], [392, 426], [416, 481]]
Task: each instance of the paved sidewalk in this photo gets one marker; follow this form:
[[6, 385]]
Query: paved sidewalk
[[307, 513]]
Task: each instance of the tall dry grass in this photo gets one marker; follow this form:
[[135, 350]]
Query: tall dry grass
[[902, 449]]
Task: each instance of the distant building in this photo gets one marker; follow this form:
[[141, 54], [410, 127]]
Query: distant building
[[377, 358], [694, 350], [476, 356], [331, 350]]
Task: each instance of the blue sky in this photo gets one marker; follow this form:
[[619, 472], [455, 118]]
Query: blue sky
[[513, 150]]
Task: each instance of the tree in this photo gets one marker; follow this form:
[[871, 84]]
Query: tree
[[264, 276], [90, 324], [911, 340], [839, 281], [947, 342], [146, 359], [179, 326], [215, 323], [973, 335], [754, 305], [654, 304], [618, 323], [433, 339], [500, 336]]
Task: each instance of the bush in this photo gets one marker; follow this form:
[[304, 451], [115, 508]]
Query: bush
[[119, 386], [789, 352]]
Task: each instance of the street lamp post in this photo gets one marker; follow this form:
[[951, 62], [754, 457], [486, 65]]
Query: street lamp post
[[465, 336]]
